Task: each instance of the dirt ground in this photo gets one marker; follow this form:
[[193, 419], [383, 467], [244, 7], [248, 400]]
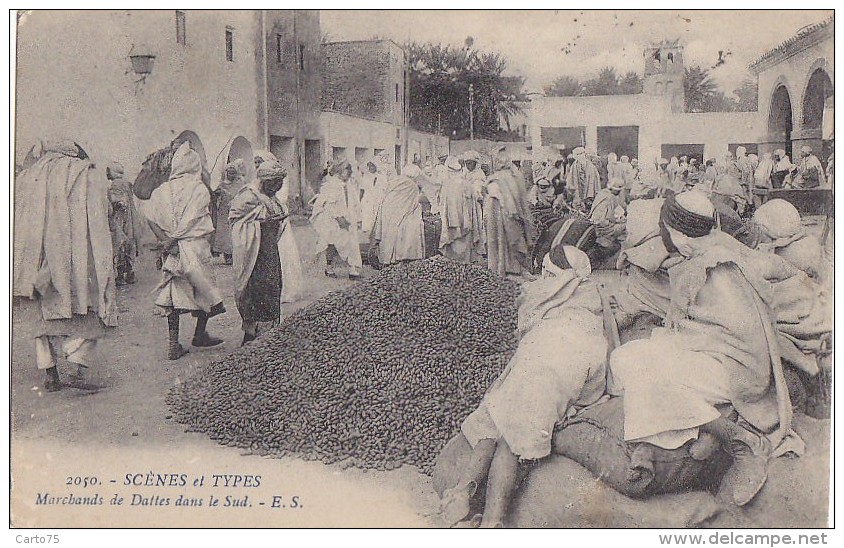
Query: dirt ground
[[126, 430]]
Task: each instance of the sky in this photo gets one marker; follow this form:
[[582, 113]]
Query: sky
[[535, 42]]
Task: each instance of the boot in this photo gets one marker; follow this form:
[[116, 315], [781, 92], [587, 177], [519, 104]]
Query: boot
[[750, 452], [53, 382], [174, 349], [81, 382], [247, 338]]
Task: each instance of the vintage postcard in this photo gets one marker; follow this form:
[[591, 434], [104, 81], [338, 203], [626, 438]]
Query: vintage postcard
[[422, 269]]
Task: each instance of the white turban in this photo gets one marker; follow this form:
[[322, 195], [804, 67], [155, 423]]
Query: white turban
[[778, 218]]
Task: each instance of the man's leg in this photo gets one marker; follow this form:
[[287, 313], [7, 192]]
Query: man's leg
[[174, 349], [503, 479], [330, 257], [250, 331], [45, 360], [457, 500], [80, 352], [201, 337]]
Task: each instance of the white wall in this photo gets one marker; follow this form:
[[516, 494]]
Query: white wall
[[657, 124], [649, 112], [74, 80], [350, 132]]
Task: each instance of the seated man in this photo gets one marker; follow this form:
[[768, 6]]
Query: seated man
[[781, 232], [718, 348], [541, 385], [608, 215]]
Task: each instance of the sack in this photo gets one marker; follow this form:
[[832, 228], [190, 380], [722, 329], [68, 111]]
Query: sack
[[558, 492], [594, 438]]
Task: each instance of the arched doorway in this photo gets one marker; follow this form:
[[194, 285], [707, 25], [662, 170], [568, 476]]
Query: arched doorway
[[239, 148], [780, 120], [818, 92]]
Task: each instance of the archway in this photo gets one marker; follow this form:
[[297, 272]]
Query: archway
[[818, 94], [780, 120], [236, 148]]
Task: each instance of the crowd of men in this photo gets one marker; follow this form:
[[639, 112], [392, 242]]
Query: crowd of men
[[736, 283]]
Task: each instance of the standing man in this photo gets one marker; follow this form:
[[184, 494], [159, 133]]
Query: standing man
[[507, 219], [810, 173], [63, 258], [178, 214], [122, 220], [335, 221]]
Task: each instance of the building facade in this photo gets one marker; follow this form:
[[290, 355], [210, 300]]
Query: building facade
[[75, 79], [795, 107], [294, 93], [796, 91], [364, 100]]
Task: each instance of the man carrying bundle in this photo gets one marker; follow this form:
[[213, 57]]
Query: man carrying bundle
[[179, 216], [63, 257]]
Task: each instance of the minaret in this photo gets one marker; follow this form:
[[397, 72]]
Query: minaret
[[664, 72]]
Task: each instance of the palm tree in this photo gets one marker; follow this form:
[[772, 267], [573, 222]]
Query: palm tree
[[564, 86], [699, 89]]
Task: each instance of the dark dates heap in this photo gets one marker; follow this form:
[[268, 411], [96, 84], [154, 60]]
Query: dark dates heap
[[376, 375]]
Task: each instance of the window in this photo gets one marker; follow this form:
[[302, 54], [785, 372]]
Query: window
[[181, 31], [229, 44], [301, 57], [279, 48], [397, 93]]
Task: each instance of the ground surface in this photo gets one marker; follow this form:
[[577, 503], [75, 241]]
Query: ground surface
[[126, 429]]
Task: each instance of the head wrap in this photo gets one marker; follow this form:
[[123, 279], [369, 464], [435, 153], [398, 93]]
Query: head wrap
[[471, 156], [453, 163], [612, 157], [262, 156], [338, 167], [615, 183], [806, 149], [114, 170], [690, 213], [412, 171], [271, 170], [624, 159], [566, 257], [662, 162], [578, 151], [186, 161], [740, 151], [778, 218], [728, 185]]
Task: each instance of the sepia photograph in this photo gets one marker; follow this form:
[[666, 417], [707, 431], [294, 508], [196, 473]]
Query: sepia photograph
[[435, 269]]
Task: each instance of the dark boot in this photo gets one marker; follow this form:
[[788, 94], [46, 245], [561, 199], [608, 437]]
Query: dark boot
[[174, 349], [130, 277], [750, 452], [53, 382], [201, 338]]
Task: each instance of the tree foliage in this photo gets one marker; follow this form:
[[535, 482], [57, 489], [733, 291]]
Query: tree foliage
[[439, 78], [608, 82]]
